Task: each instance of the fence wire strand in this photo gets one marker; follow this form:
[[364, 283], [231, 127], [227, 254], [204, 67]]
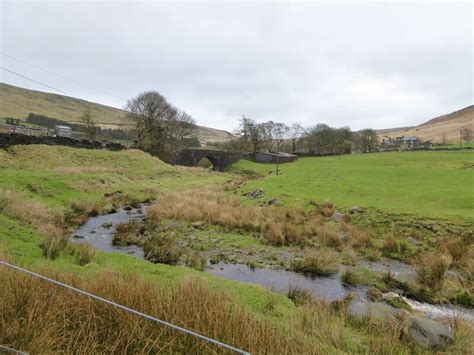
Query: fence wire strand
[[130, 310]]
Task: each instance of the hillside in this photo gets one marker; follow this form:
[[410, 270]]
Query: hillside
[[434, 129], [18, 102]]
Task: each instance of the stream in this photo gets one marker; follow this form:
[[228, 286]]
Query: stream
[[99, 231]]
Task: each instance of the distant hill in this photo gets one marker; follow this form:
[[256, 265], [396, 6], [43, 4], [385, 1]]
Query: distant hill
[[18, 102], [434, 129]]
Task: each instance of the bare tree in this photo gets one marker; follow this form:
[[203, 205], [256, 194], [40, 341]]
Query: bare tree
[[369, 140], [295, 133], [279, 133], [161, 128], [91, 127], [252, 135]]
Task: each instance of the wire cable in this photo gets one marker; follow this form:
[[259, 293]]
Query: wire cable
[[11, 350], [143, 315], [37, 82], [61, 76]]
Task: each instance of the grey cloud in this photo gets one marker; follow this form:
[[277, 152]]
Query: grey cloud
[[362, 65]]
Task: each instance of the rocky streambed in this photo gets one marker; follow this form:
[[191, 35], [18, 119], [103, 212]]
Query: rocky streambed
[[429, 323]]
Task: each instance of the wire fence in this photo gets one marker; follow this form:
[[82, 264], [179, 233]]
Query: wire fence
[[6, 349], [124, 308]]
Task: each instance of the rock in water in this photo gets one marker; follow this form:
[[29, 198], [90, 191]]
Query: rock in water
[[427, 332]]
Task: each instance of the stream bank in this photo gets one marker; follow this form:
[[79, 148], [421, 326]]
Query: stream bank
[[99, 231]]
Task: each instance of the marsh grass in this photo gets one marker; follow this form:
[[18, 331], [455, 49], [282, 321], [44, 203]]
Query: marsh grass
[[162, 248], [322, 261], [52, 245], [19, 206], [277, 225], [84, 253], [34, 314], [432, 269]]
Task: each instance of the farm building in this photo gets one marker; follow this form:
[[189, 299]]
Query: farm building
[[401, 142], [63, 131], [274, 157]]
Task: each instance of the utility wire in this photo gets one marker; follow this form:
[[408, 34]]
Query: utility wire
[[11, 350], [37, 82], [143, 315], [61, 76]]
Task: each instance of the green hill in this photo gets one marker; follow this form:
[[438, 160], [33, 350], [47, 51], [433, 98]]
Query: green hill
[[18, 102]]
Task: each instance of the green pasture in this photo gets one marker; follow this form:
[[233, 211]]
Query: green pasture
[[427, 184]]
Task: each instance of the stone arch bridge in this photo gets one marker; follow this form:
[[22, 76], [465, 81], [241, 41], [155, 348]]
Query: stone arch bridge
[[219, 159]]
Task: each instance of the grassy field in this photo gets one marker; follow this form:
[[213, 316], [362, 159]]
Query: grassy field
[[42, 186], [427, 184], [45, 191]]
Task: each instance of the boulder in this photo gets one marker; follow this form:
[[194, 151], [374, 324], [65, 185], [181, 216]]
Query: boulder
[[427, 332], [375, 311], [353, 209], [406, 277], [337, 216]]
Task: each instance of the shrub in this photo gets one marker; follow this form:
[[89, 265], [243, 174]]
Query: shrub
[[432, 269], [322, 261]]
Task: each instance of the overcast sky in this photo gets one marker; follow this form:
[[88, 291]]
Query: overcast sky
[[377, 65]]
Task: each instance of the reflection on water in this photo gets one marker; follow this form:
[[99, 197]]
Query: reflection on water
[[329, 288]]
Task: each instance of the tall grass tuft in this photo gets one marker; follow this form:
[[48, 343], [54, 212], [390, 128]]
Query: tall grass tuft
[[52, 245], [18, 206], [84, 253], [432, 268], [38, 317], [317, 262]]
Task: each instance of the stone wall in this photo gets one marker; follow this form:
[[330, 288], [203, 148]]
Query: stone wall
[[10, 139]]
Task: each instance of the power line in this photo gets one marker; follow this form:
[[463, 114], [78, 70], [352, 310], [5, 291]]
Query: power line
[[37, 82], [11, 350], [143, 315], [61, 76]]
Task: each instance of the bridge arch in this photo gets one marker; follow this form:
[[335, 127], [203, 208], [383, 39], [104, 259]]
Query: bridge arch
[[219, 159]]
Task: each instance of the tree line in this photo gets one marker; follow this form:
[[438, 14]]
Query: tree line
[[319, 139]]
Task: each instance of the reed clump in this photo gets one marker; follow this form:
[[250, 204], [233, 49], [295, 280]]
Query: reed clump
[[276, 225]]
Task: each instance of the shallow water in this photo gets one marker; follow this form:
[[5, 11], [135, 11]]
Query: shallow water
[[329, 288], [94, 231]]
